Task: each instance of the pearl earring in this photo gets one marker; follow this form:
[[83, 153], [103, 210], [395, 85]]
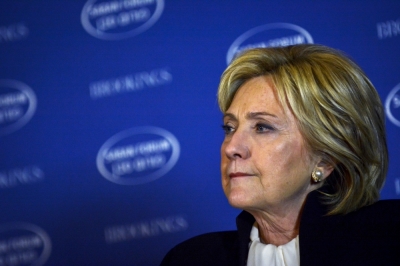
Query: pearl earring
[[317, 175]]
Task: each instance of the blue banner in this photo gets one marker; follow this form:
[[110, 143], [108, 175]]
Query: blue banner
[[109, 123]]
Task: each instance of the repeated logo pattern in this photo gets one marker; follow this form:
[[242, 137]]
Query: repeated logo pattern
[[269, 35], [138, 155], [115, 20], [17, 105], [23, 244], [392, 105]]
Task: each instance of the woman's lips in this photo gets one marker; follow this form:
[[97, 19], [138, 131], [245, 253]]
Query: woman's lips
[[238, 174]]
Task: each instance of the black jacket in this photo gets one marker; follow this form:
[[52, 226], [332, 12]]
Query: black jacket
[[368, 236]]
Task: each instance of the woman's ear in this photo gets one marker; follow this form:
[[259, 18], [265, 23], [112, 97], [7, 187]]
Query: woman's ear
[[326, 168]]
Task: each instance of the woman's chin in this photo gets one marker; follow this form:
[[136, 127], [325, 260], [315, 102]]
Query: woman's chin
[[238, 199]]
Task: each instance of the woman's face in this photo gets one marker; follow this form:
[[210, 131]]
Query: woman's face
[[264, 162]]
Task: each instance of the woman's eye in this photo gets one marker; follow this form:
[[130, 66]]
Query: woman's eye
[[227, 129], [263, 128]]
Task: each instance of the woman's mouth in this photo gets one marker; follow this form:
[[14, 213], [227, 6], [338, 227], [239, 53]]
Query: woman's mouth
[[238, 174]]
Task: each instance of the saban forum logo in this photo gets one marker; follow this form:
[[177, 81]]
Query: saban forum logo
[[23, 244], [392, 105], [269, 35], [120, 19], [138, 155], [17, 105]]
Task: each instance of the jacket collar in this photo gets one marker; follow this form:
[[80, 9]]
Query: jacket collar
[[312, 213]]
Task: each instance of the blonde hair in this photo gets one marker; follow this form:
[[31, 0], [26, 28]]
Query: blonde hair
[[338, 112]]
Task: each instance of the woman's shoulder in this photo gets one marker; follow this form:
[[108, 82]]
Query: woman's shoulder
[[380, 211], [367, 236], [221, 238], [206, 249], [380, 220]]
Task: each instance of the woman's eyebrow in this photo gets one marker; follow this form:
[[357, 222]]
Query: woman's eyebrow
[[230, 116], [253, 115], [250, 115]]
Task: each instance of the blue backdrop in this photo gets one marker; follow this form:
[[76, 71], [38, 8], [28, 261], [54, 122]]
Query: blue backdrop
[[109, 125]]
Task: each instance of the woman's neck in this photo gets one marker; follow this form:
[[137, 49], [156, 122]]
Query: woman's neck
[[277, 229], [276, 234]]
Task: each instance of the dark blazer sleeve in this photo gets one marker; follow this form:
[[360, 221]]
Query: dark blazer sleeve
[[220, 248], [368, 236]]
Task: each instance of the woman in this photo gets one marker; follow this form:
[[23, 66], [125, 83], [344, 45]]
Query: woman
[[305, 157]]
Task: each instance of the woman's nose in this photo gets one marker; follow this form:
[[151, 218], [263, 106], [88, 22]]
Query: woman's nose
[[236, 146]]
